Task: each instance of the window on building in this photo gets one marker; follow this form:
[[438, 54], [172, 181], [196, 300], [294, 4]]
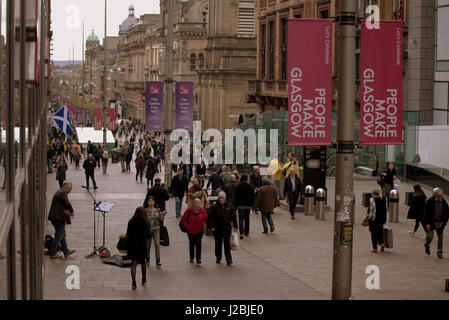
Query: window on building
[[297, 16], [284, 27], [246, 18], [263, 51], [192, 62], [201, 60], [324, 14], [271, 51]]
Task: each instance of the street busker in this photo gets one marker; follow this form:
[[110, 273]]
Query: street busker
[[435, 219], [193, 220], [292, 189], [137, 234], [221, 220], [244, 200], [267, 200], [416, 210], [377, 217], [156, 219], [89, 166], [179, 186]]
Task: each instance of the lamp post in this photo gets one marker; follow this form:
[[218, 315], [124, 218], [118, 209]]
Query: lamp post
[[104, 73]]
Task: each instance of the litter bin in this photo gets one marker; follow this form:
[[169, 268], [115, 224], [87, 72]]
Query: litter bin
[[309, 194], [394, 206], [115, 155], [320, 206]]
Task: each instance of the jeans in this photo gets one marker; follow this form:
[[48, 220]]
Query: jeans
[[155, 235], [429, 236], [50, 165], [221, 238], [178, 201], [277, 184], [195, 243], [244, 221], [77, 163], [267, 216], [122, 163], [92, 176], [58, 239], [128, 166], [105, 165]]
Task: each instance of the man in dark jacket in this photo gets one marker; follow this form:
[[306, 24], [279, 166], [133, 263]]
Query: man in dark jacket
[[215, 180], [435, 219], [229, 189], [179, 186], [220, 221], [292, 189], [89, 166], [60, 212], [159, 193], [244, 200]]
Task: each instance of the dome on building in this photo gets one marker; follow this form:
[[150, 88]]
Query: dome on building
[[130, 21], [92, 37]]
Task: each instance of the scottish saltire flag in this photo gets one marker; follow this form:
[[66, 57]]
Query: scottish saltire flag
[[62, 120]]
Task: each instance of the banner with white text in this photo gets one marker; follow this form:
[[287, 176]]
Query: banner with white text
[[381, 84], [309, 82]]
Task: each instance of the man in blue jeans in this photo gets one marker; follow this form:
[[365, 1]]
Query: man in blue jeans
[[61, 211], [244, 200], [179, 186]]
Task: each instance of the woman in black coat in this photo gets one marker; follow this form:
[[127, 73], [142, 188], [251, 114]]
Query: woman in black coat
[[416, 210], [377, 217], [137, 234]]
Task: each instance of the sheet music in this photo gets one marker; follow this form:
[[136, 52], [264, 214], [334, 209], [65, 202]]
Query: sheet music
[[104, 206]]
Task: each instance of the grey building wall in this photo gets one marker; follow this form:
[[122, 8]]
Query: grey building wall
[[421, 59]]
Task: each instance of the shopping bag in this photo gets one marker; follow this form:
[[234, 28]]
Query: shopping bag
[[397, 184], [164, 239], [235, 241]]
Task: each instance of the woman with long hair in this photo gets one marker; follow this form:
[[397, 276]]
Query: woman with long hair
[[137, 234], [61, 170], [416, 210], [155, 218]]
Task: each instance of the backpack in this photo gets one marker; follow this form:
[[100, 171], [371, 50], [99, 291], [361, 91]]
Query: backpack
[[105, 155]]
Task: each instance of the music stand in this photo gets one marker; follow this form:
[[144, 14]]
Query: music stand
[[102, 207]]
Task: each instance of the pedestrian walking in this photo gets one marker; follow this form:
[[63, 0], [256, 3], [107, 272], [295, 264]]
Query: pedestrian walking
[[377, 217], [156, 219], [221, 221], [276, 172], [137, 234], [77, 157], [98, 154], [292, 189], [89, 166], [105, 159], [215, 181], [152, 169], [266, 201], [416, 210], [194, 220], [292, 163], [197, 192], [159, 194], [436, 215], [129, 158], [140, 166], [61, 212], [200, 170], [122, 156], [61, 170], [389, 175], [244, 200], [179, 187], [229, 189]]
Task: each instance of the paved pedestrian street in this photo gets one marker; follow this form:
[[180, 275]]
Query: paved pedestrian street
[[295, 262]]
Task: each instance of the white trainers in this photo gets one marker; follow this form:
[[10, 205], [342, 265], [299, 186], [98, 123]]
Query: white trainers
[[411, 233]]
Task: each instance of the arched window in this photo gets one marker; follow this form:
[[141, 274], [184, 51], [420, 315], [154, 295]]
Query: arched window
[[192, 62], [201, 60]]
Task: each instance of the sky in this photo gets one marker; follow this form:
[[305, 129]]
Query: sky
[[68, 16]]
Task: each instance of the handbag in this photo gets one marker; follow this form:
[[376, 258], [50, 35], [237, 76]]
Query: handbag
[[365, 222], [181, 225], [122, 244], [164, 238]]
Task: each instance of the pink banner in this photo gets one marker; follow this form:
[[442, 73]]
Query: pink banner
[[381, 84], [309, 82], [111, 118], [98, 119]]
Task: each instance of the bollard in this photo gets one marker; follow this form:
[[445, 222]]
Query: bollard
[[309, 194], [394, 206], [320, 206]]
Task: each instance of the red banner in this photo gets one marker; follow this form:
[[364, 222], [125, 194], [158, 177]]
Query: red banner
[[98, 119], [381, 84], [309, 81], [111, 118]]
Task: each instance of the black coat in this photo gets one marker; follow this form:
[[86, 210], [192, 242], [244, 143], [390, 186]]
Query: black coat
[[201, 169], [429, 213], [220, 217], [255, 181], [179, 186], [229, 189], [381, 214], [244, 195], [215, 180], [137, 234], [288, 186], [160, 196], [89, 166], [417, 208]]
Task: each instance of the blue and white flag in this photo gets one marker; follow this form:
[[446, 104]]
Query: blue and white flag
[[62, 120]]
